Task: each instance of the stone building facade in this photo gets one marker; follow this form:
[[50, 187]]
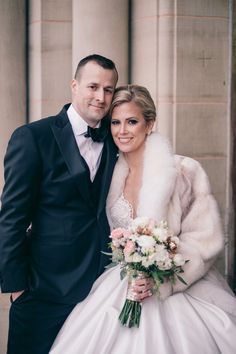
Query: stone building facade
[[183, 51]]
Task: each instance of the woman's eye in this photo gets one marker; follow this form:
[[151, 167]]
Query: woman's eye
[[132, 121], [114, 122]]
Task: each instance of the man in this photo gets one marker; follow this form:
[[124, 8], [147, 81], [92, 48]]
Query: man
[[56, 182]]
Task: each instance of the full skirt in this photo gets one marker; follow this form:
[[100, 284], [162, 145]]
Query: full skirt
[[199, 320]]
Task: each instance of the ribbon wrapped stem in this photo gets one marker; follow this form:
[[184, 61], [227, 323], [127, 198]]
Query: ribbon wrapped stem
[[131, 312]]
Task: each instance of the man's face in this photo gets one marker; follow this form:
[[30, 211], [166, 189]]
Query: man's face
[[93, 91]]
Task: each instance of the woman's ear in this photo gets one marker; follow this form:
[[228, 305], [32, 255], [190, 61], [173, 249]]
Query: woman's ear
[[150, 125]]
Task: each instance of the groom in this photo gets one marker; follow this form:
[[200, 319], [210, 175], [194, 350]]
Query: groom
[[53, 225]]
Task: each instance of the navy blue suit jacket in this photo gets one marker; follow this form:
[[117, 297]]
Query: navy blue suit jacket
[[47, 187]]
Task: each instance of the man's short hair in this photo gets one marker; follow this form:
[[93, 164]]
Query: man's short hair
[[104, 62]]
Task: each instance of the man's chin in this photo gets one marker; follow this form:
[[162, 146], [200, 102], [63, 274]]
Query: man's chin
[[98, 117], [95, 119]]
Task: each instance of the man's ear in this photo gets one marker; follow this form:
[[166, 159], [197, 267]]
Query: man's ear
[[73, 86]]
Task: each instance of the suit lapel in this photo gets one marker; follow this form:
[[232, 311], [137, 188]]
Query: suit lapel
[[65, 139], [111, 158]]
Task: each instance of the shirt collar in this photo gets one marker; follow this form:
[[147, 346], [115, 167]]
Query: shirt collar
[[78, 124]]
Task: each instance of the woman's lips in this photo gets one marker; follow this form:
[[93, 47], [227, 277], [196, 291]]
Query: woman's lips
[[124, 140]]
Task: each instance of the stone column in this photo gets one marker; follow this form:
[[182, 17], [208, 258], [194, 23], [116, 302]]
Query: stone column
[[12, 99], [166, 73], [49, 56], [153, 56], [180, 51], [101, 27], [144, 44], [232, 241], [12, 71]]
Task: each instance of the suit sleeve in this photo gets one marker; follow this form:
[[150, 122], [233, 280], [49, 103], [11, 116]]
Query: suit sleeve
[[22, 181], [201, 237]]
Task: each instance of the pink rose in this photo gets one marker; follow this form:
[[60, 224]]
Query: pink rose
[[129, 247], [127, 233], [117, 233], [151, 224]]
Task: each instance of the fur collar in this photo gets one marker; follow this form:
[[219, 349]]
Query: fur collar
[[159, 177]]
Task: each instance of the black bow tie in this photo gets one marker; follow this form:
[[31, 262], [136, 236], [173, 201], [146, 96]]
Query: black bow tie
[[97, 134]]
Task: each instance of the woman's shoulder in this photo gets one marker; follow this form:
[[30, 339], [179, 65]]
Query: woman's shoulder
[[187, 163]]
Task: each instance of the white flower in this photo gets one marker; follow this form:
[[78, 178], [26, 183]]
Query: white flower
[[134, 237], [178, 260], [146, 242], [161, 253], [175, 239], [148, 250], [160, 233], [163, 224], [140, 221], [136, 258], [162, 258], [118, 242], [166, 264], [148, 261]]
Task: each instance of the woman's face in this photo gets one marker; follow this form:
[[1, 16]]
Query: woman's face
[[129, 128]]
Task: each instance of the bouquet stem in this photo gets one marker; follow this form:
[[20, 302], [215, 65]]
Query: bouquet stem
[[131, 313]]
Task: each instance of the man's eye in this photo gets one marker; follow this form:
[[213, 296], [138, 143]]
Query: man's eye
[[109, 91], [92, 87], [132, 121]]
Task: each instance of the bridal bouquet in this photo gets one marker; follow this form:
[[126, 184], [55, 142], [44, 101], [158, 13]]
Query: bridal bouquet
[[145, 249]]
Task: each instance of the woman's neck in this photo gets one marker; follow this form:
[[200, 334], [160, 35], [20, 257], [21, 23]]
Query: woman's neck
[[134, 160]]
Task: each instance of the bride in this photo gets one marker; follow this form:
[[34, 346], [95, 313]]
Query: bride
[[149, 180]]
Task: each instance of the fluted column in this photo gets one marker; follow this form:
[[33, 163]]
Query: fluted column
[[101, 27], [153, 56], [12, 71], [50, 25], [166, 69], [12, 99], [144, 44]]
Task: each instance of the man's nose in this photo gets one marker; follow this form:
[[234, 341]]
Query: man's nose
[[100, 95]]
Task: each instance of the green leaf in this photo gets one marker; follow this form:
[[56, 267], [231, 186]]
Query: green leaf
[[111, 265], [181, 279], [157, 278], [107, 253], [123, 273]]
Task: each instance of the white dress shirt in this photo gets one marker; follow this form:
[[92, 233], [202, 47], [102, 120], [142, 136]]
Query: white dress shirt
[[90, 150]]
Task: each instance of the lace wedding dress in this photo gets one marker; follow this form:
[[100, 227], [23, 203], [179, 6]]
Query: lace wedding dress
[[182, 324]]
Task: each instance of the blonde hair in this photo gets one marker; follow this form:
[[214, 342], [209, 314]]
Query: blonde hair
[[138, 94]]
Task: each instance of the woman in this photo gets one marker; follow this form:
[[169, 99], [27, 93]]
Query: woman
[[149, 180]]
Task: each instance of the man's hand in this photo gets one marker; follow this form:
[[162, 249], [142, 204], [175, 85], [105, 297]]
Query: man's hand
[[15, 295]]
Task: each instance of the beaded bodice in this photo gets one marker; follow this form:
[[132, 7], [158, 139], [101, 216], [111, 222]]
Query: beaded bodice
[[121, 213]]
